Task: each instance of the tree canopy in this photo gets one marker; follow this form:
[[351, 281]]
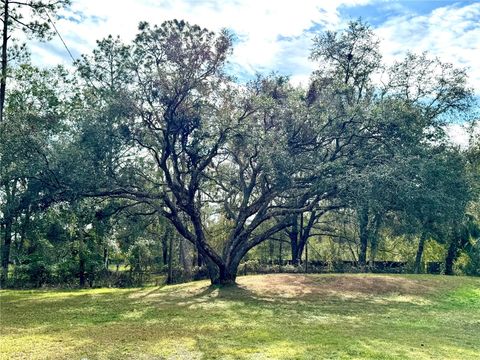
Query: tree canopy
[[154, 147]]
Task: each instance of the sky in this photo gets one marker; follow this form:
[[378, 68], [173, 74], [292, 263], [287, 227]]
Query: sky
[[276, 35]]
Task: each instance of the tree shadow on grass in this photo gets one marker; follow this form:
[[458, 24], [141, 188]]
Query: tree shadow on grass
[[105, 306], [198, 320], [219, 321]]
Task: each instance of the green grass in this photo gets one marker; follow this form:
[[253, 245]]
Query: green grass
[[265, 317]]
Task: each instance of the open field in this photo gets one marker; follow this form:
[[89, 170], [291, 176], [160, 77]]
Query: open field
[[265, 317]]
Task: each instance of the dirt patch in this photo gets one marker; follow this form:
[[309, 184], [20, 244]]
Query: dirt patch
[[302, 286], [299, 287]]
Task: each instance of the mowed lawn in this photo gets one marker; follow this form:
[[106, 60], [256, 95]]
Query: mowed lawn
[[264, 317]]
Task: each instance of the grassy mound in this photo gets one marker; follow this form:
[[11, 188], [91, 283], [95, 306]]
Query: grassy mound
[[264, 317]]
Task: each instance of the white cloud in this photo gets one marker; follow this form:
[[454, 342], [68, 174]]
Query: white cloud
[[274, 35], [451, 32], [267, 29], [461, 134], [458, 134]]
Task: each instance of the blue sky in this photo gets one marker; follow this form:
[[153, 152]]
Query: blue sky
[[276, 35], [380, 11]]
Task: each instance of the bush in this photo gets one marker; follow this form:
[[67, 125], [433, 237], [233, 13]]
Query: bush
[[249, 267], [289, 268], [33, 274], [199, 273], [67, 272], [472, 267]]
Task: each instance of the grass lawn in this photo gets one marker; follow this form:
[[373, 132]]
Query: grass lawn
[[264, 317]]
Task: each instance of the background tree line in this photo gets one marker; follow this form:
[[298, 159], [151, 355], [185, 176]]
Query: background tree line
[[152, 158]]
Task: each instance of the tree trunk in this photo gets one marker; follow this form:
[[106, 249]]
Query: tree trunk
[[373, 254], [306, 257], [280, 255], [227, 275], [227, 272], [418, 258], [7, 241], [271, 251], [105, 258], [184, 258], [377, 220], [293, 235], [3, 80], [9, 217], [81, 272], [199, 259], [295, 253], [302, 233], [81, 260], [23, 231], [170, 260], [363, 227], [451, 257], [165, 249]]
